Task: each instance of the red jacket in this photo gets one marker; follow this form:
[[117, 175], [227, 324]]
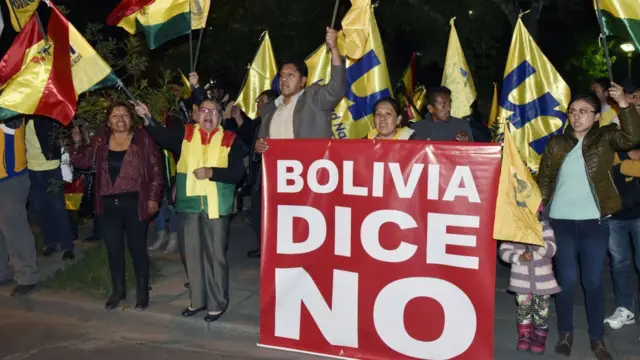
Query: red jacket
[[150, 184]]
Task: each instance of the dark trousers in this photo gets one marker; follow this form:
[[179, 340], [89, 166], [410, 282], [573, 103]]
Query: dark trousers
[[255, 211], [582, 251], [120, 218], [46, 198]]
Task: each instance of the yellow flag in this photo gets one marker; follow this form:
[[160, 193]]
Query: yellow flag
[[355, 28], [186, 85], [494, 124], [516, 216], [367, 82], [419, 97], [199, 13], [259, 78], [533, 97], [24, 9], [457, 77]]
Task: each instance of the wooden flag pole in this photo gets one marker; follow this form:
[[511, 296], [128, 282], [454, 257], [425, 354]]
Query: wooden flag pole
[[335, 14], [195, 63], [120, 86], [603, 38]]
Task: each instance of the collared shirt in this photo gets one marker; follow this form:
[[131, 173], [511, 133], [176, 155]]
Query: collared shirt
[[282, 121]]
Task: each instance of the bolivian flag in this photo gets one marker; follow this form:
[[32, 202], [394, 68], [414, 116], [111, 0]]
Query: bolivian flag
[[621, 18], [199, 13], [160, 20], [24, 9], [406, 92], [45, 77]]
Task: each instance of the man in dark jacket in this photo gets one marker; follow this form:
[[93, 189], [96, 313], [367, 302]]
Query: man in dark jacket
[[439, 124], [42, 137]]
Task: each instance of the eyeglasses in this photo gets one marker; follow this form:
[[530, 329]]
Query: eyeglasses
[[209, 111], [581, 112]]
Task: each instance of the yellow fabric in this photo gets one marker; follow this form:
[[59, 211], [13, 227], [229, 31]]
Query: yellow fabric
[[19, 152], [518, 201], [195, 156], [199, 13], [186, 85], [540, 80], [161, 11], [355, 28], [419, 97], [87, 66], [457, 77], [35, 158], [72, 201], [624, 9], [259, 78], [129, 23], [607, 117], [494, 124], [374, 133], [24, 9], [374, 81]]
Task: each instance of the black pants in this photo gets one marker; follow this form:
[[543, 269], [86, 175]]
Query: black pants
[[119, 218], [255, 211]]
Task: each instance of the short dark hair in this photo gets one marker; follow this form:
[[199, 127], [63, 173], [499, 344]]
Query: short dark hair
[[590, 97], [433, 93], [271, 95], [603, 82], [395, 104], [300, 66], [118, 104]]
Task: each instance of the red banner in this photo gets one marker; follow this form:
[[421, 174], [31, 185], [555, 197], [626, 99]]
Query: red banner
[[379, 250]]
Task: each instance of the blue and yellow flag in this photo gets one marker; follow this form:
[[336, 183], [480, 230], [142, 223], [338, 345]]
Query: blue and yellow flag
[[367, 82], [533, 97], [518, 199], [457, 77], [260, 76]]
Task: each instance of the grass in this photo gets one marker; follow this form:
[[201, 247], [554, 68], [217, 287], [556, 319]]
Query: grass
[[90, 275]]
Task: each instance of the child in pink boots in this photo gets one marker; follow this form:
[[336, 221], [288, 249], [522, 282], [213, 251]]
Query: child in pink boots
[[533, 281]]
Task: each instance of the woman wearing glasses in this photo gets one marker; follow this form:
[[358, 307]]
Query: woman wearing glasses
[[209, 166], [579, 196]]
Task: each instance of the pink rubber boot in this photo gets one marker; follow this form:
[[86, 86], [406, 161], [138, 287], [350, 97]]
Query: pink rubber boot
[[524, 337], [539, 341]]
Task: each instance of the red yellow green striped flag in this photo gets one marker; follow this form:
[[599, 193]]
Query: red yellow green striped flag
[[621, 18]]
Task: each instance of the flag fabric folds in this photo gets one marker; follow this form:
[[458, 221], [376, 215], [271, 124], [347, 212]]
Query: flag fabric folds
[[457, 77], [367, 82], [24, 9], [160, 20], [45, 78], [1, 23], [199, 13], [518, 199], [621, 18], [533, 97], [493, 124], [355, 28], [186, 86], [405, 94], [262, 71]]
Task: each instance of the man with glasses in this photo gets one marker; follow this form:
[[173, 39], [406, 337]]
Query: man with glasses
[[209, 167], [440, 125]]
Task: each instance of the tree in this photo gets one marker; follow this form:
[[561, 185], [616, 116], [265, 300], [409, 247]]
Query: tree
[[590, 63]]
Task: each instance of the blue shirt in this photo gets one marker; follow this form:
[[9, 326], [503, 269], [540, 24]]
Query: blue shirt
[[573, 198]]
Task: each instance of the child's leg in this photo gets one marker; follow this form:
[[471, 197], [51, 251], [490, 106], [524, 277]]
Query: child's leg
[[524, 317], [540, 315]]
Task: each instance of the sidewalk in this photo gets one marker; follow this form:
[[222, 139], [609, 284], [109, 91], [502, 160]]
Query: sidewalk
[[169, 297]]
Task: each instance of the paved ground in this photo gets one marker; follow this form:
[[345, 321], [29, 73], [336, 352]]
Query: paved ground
[[67, 326]]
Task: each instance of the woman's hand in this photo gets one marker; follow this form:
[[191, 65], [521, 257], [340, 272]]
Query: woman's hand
[[261, 146], [203, 173], [142, 110], [617, 93], [153, 208], [526, 257], [76, 136]]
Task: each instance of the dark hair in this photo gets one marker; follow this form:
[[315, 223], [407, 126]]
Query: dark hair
[[395, 104], [590, 97], [118, 104], [271, 95], [603, 82], [300, 66], [433, 93]]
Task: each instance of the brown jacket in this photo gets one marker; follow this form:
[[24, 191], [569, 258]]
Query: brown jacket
[[599, 147]]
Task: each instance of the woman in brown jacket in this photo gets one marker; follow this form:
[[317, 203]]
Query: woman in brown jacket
[[127, 190], [579, 196]]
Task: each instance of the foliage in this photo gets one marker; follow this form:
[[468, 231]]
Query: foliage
[[591, 63]]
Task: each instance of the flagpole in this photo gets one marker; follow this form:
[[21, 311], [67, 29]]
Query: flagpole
[[15, 15], [335, 14], [195, 63], [190, 39], [121, 86], [603, 37]]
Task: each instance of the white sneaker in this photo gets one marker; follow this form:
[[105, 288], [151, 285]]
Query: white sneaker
[[173, 244], [620, 318], [160, 240]]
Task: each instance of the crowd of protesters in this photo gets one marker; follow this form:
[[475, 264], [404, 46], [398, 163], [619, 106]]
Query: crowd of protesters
[[588, 177]]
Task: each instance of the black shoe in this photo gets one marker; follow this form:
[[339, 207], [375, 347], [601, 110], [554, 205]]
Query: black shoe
[[48, 251], [190, 312], [22, 290], [142, 292], [114, 300], [600, 350], [565, 342], [212, 318], [254, 254], [68, 255], [186, 285]]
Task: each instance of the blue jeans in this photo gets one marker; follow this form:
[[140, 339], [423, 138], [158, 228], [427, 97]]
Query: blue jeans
[[46, 197], [621, 256], [582, 245], [164, 214]]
